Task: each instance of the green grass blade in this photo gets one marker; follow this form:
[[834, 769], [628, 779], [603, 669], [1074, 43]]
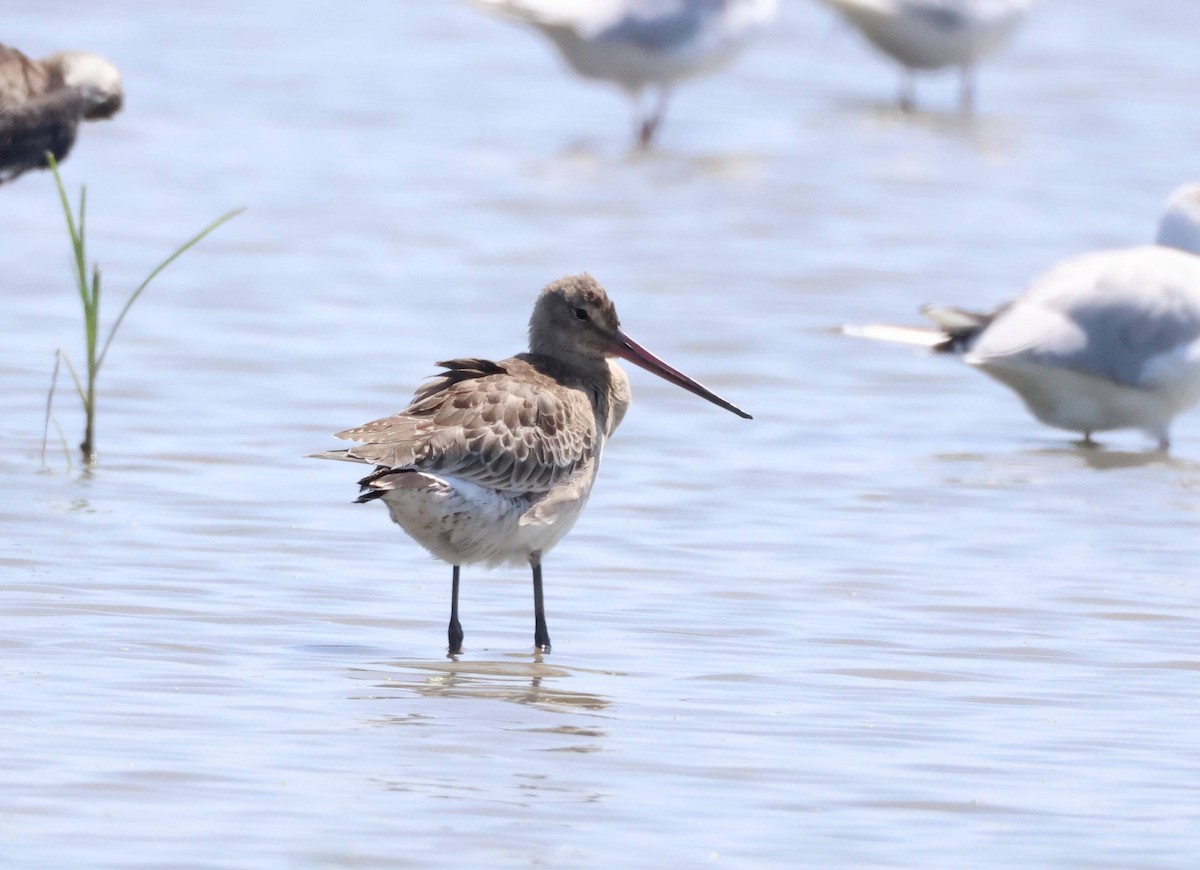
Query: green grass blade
[[66, 448], [59, 356], [72, 229], [81, 253], [75, 377], [190, 243], [93, 320], [50, 401]]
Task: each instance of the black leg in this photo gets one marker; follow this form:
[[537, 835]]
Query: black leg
[[455, 632], [541, 635]]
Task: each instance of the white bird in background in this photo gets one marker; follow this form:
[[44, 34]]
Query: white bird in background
[[643, 45], [933, 34], [42, 103], [1108, 340]]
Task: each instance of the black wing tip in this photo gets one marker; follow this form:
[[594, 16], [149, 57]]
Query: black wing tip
[[369, 489], [473, 364], [959, 327]]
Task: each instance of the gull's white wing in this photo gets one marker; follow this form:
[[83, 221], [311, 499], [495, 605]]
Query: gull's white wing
[[1117, 315], [586, 17]]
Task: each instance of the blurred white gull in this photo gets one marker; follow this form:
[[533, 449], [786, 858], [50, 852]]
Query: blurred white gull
[[42, 103], [933, 34], [643, 45], [1108, 340]]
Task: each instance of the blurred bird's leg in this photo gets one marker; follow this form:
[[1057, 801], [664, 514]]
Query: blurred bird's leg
[[652, 121], [454, 633], [639, 118], [908, 91], [966, 90]]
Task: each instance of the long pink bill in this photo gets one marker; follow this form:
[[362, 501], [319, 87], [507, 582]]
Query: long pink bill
[[626, 348]]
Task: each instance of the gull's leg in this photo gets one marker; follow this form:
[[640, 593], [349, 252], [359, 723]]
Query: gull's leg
[[455, 633], [654, 120], [639, 117], [908, 91], [541, 635], [966, 90]]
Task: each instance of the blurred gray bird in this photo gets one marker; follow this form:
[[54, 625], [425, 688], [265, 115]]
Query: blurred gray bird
[[42, 103], [1108, 340], [643, 45], [934, 34]]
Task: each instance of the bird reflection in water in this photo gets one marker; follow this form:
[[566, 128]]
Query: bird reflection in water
[[531, 682]]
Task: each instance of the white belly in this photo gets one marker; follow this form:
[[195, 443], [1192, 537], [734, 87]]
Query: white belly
[[463, 523], [1069, 400]]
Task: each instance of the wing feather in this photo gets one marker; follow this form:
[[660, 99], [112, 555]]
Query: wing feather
[[21, 79], [506, 426]]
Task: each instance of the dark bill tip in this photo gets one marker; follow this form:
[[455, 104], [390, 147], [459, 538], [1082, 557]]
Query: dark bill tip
[[628, 349]]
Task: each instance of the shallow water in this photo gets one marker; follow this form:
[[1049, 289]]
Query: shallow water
[[892, 621]]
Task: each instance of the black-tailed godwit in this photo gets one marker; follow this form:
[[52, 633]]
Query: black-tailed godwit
[[493, 462]]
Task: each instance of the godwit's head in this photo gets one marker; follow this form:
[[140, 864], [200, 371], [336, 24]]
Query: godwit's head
[[1180, 224], [576, 323], [573, 317], [96, 79]]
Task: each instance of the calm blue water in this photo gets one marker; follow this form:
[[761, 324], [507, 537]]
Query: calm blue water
[[892, 621]]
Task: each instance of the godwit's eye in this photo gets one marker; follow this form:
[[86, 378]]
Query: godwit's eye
[[581, 314]]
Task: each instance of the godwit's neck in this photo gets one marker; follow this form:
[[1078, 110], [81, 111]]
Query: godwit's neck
[[619, 396], [597, 377], [606, 385]]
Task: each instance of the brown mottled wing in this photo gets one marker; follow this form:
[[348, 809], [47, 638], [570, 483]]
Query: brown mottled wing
[[505, 426], [21, 79]]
